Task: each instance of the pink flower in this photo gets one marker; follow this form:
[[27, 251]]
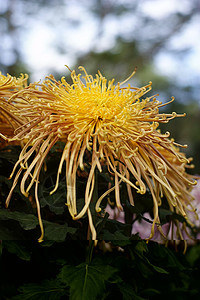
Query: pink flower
[[115, 214]]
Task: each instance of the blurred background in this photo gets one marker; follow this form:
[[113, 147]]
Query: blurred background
[[161, 38]]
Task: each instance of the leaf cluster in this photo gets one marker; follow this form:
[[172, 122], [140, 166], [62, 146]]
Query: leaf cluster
[[66, 266], [62, 270]]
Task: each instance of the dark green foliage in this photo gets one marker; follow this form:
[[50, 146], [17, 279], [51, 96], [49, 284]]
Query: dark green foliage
[[62, 271], [66, 266], [86, 281], [48, 289]]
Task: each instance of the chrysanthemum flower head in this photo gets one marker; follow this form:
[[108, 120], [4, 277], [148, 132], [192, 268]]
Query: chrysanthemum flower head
[[9, 86], [117, 125]]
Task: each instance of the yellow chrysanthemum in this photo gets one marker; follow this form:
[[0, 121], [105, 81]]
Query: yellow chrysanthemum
[[9, 86], [116, 125]]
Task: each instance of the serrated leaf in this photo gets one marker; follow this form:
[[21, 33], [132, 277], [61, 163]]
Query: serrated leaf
[[47, 290], [18, 249], [86, 281]]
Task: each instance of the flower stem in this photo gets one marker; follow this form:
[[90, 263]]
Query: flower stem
[[89, 251], [91, 245]]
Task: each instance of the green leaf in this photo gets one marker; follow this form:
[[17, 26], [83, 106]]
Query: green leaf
[[56, 231], [167, 215], [128, 292], [18, 249], [116, 237], [166, 256], [86, 281], [193, 255], [156, 268], [140, 249], [164, 215], [56, 201], [114, 230], [53, 231], [27, 221], [47, 290]]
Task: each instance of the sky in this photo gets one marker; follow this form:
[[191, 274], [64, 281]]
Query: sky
[[77, 31]]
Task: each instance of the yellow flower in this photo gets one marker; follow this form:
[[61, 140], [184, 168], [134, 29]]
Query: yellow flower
[[9, 86], [115, 124]]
